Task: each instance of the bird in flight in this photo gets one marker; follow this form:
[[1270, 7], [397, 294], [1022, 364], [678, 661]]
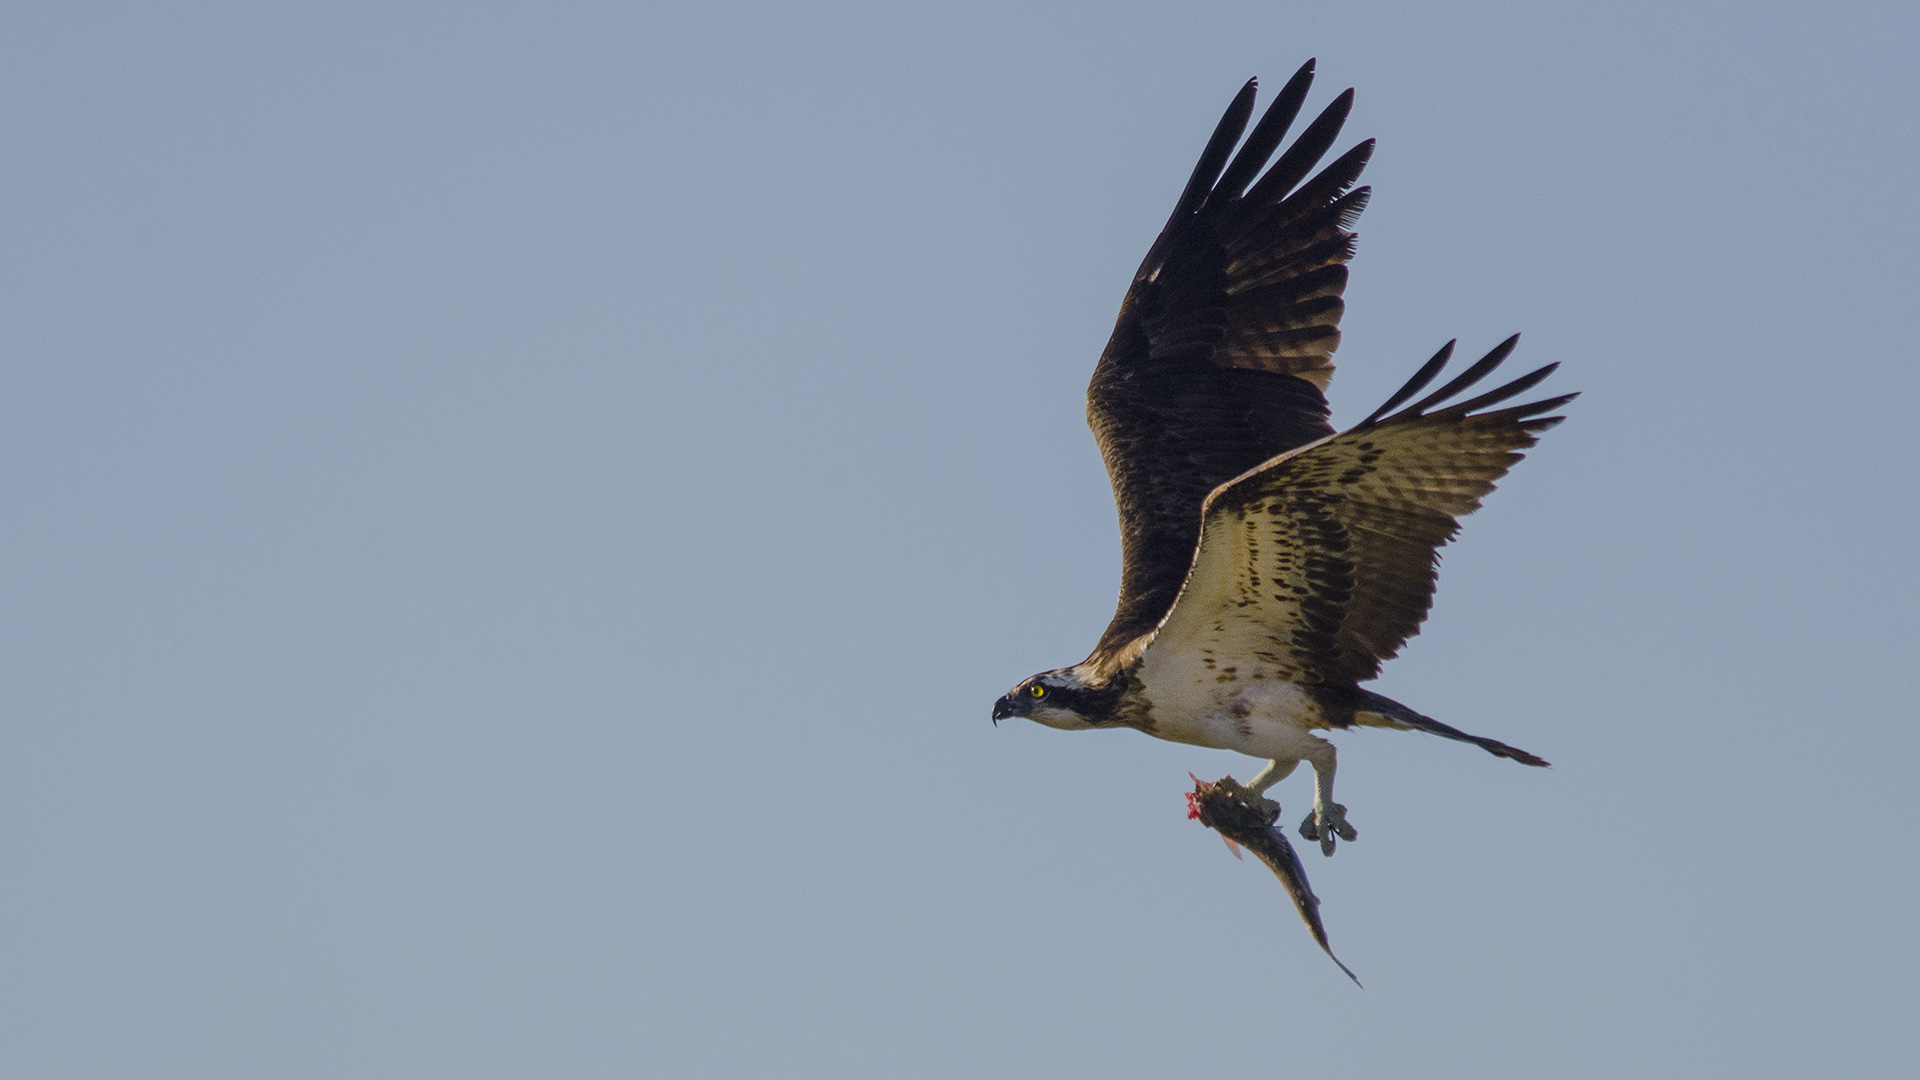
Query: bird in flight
[[1270, 564]]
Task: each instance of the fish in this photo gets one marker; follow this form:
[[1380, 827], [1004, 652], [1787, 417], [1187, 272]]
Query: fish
[[1245, 819]]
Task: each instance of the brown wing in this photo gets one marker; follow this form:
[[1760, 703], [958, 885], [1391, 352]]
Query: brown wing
[[1224, 342], [1318, 565]]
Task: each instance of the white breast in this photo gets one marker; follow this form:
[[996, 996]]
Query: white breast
[[1264, 718]]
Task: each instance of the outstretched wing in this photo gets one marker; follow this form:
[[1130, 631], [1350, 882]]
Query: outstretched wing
[[1224, 342], [1318, 565]]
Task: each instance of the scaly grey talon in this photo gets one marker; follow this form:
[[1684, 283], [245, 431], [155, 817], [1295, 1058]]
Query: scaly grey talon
[[1249, 797], [1325, 824]]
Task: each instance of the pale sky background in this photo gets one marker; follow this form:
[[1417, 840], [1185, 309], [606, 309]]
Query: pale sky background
[[514, 518]]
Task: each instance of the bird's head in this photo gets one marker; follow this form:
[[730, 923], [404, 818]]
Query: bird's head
[[1058, 699]]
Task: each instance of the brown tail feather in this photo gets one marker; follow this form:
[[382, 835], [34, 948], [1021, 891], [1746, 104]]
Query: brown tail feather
[[1376, 710]]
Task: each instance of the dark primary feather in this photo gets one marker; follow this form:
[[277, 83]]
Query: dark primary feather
[[1414, 385], [1322, 563], [1224, 343]]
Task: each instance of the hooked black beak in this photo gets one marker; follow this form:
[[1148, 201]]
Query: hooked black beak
[[1001, 710]]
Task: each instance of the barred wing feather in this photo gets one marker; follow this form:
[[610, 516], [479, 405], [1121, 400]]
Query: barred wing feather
[[1321, 563], [1224, 342]]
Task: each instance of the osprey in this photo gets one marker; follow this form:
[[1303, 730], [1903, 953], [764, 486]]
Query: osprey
[[1269, 564]]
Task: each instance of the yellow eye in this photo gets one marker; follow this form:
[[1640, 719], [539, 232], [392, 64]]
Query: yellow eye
[[1037, 690]]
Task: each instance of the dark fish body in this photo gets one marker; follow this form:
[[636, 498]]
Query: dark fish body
[[1248, 819]]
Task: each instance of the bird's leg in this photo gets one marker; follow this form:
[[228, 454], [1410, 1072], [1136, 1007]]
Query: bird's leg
[[1256, 789], [1329, 818]]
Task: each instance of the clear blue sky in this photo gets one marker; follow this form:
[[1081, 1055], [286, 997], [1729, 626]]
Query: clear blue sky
[[513, 517]]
